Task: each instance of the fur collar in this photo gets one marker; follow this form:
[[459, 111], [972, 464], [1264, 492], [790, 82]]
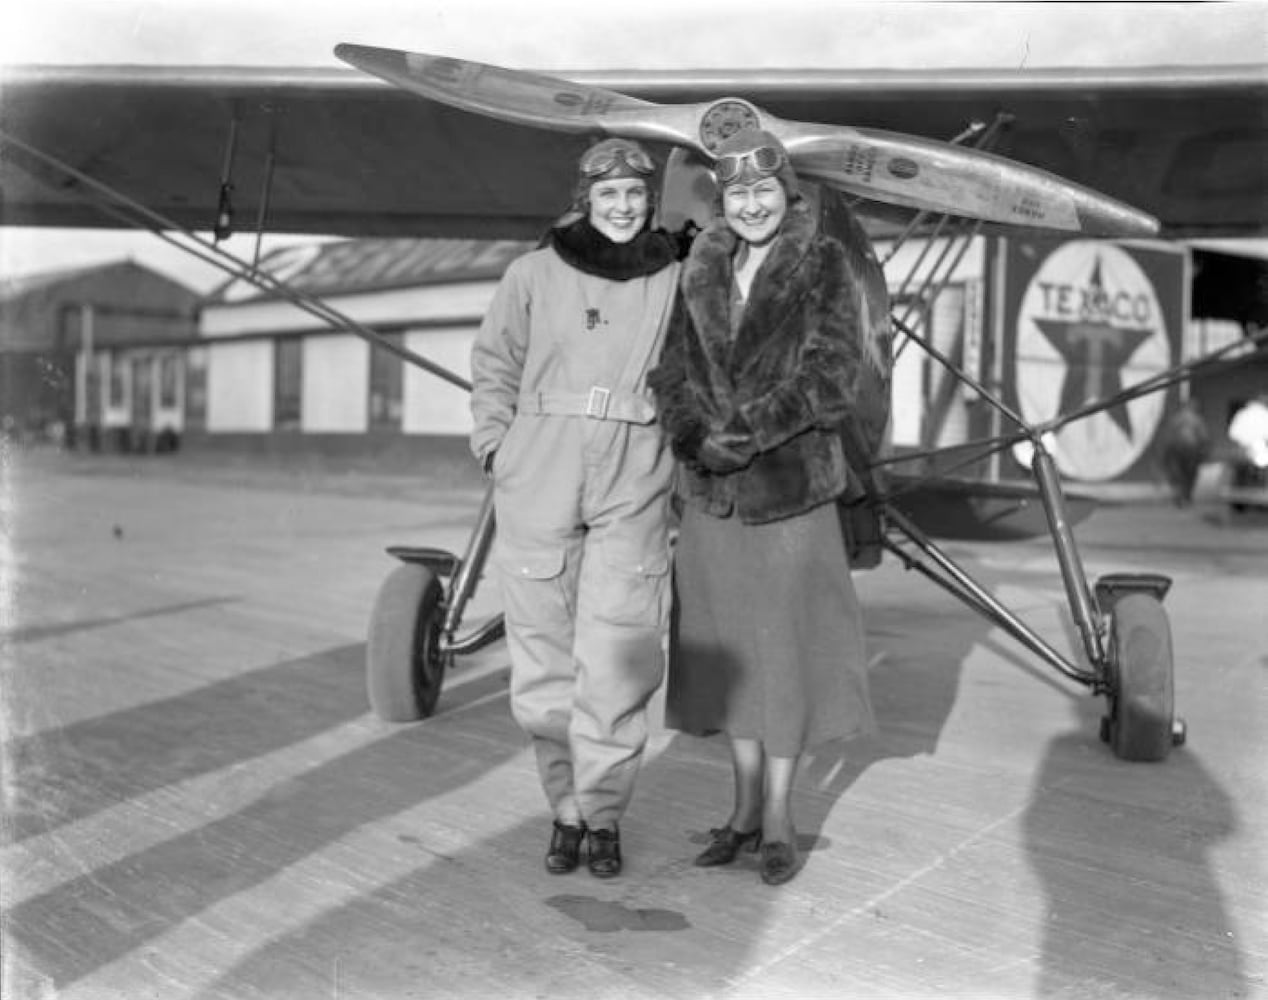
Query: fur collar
[[588, 250], [780, 284]]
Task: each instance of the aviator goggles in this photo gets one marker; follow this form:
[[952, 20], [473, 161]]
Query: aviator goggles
[[598, 162], [764, 161]]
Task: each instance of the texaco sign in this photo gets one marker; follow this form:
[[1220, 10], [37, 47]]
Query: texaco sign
[[1085, 320]]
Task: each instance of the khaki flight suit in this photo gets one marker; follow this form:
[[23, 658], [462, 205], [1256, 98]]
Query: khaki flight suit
[[581, 490]]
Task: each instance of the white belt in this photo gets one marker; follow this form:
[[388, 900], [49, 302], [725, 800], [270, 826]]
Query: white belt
[[598, 404]]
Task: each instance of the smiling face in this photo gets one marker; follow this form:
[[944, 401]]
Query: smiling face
[[618, 207], [755, 211]]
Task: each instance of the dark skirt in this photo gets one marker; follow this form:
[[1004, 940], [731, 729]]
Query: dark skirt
[[768, 639]]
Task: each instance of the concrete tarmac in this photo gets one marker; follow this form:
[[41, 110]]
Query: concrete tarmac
[[199, 804]]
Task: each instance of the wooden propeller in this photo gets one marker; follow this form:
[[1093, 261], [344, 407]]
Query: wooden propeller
[[889, 167]]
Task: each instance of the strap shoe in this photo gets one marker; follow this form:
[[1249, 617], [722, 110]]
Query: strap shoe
[[726, 844], [605, 852], [565, 848], [779, 862]]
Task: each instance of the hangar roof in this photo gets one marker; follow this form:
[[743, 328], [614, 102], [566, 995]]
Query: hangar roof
[[347, 267]]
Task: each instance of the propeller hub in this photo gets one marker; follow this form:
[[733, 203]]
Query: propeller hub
[[722, 119]]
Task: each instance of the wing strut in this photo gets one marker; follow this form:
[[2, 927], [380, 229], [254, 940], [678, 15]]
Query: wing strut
[[266, 188], [133, 214], [222, 229], [953, 250], [982, 448]]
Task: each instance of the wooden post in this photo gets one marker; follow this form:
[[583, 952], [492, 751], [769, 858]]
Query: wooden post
[[87, 403]]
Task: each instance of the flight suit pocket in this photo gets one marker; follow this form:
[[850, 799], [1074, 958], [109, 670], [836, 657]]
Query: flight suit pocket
[[533, 585], [501, 454], [634, 589]]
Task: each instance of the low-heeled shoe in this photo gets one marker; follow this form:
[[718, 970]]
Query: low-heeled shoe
[[725, 844], [565, 848], [779, 862], [605, 852]]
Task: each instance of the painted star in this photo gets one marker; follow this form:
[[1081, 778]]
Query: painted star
[[1094, 352]]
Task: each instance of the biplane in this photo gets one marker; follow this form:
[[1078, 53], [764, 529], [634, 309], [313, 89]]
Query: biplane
[[1149, 153]]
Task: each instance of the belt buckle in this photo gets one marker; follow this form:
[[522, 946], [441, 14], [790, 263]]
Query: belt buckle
[[597, 402]]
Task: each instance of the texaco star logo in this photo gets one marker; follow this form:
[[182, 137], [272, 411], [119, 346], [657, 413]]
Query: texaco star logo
[[1089, 326]]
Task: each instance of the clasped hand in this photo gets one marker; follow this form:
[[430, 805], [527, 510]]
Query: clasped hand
[[726, 451]]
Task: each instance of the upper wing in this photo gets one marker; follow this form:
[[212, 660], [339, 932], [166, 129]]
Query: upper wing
[[353, 156]]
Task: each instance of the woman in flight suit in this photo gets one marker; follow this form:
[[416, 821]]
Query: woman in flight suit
[[566, 428]]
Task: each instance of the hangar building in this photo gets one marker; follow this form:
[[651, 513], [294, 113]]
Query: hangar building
[[1049, 325], [131, 322]]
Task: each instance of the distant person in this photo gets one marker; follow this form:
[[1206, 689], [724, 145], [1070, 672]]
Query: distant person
[[761, 367], [581, 475], [1186, 442], [1248, 430]]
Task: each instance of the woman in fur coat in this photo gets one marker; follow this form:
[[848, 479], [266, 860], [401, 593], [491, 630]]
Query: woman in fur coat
[[764, 360]]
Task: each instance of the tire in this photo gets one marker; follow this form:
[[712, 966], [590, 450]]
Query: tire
[[405, 668], [1142, 696]]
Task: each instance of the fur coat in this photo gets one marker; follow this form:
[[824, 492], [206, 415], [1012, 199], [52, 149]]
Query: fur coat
[[789, 375]]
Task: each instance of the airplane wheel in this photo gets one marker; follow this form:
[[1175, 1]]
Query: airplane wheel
[[1142, 695], [404, 665]]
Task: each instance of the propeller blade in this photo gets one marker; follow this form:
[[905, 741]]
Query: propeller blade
[[942, 177], [511, 95], [883, 166], [528, 98]]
